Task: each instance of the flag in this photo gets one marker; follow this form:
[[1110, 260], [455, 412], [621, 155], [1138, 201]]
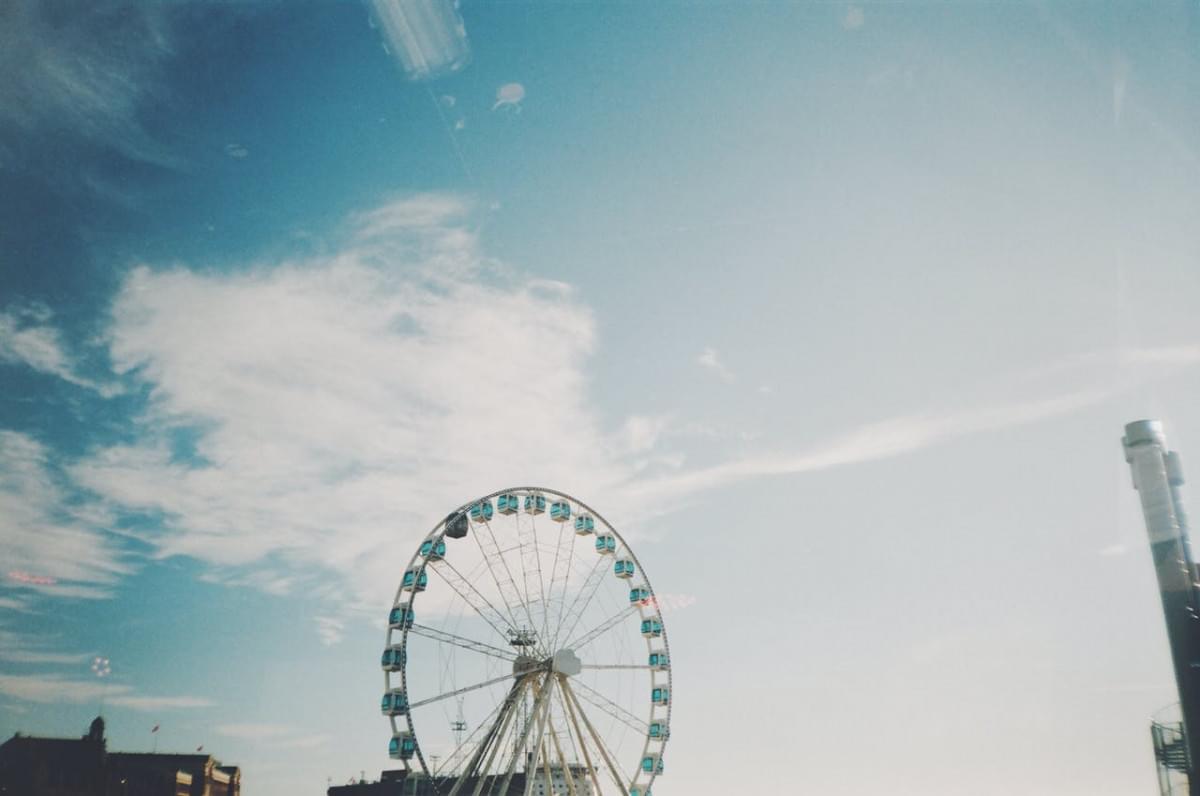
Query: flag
[[154, 728]]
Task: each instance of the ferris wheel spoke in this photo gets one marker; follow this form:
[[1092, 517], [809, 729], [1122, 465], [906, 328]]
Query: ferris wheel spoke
[[602, 628], [627, 666], [590, 587], [565, 577], [612, 768], [471, 596], [475, 687], [450, 764], [495, 559], [531, 563], [459, 641], [611, 708], [490, 554]]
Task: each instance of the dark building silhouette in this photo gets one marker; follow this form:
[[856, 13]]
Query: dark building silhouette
[[32, 766]]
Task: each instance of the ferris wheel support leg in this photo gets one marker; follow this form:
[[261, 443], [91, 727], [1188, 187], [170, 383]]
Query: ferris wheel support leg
[[579, 734], [539, 747], [541, 691], [562, 761], [596, 737], [491, 740]]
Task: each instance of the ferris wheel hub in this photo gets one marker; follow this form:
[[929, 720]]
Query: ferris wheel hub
[[565, 661]]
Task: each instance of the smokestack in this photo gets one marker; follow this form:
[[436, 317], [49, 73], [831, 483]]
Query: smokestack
[[1157, 476]]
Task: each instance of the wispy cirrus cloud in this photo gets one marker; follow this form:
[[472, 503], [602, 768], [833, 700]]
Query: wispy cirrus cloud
[[81, 70], [53, 689], [872, 442], [44, 531], [22, 648]]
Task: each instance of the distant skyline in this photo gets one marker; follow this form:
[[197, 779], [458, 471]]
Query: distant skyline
[[836, 311]]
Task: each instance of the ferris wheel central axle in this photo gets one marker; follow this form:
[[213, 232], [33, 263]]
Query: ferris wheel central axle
[[564, 662]]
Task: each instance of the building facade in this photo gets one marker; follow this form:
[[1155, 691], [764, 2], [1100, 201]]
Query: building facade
[[32, 766]]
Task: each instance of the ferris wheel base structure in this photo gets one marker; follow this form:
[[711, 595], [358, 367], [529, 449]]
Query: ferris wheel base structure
[[531, 614]]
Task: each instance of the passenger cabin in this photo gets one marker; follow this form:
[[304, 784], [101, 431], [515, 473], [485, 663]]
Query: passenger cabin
[[659, 661], [535, 503], [660, 695], [482, 511], [652, 764], [659, 731], [623, 568], [638, 594], [585, 524], [606, 544], [651, 628], [456, 525], [402, 746], [401, 617], [636, 790], [393, 658], [560, 511], [433, 549], [415, 579], [394, 703], [508, 504]]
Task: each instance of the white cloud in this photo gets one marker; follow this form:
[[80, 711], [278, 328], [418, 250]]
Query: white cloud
[[710, 359], [42, 533], [27, 338], [343, 404], [50, 689], [347, 403]]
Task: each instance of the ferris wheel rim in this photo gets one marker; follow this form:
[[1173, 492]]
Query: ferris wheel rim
[[418, 562]]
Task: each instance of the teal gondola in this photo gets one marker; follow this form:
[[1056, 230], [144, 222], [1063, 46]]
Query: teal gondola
[[433, 549], [402, 746], [394, 703], [401, 617], [415, 579], [393, 658], [535, 503], [560, 511], [482, 511]]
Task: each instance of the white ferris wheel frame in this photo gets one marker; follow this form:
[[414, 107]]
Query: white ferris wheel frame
[[649, 608]]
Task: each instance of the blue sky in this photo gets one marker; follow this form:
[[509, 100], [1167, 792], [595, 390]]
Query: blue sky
[[835, 310]]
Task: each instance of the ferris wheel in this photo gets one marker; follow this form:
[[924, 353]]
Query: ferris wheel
[[527, 654]]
